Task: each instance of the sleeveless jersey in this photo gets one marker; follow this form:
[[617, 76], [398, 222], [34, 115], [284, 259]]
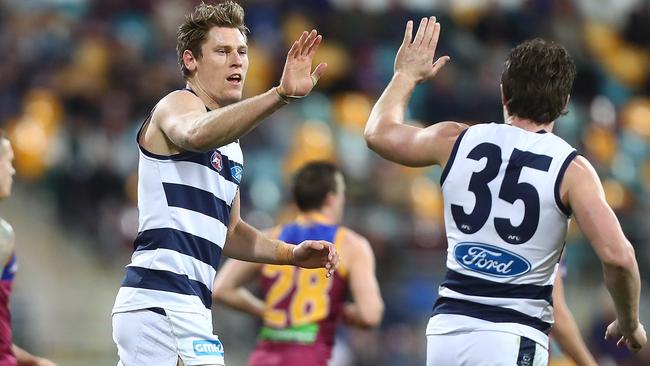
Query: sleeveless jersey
[[506, 226], [303, 306], [184, 203], [6, 282]]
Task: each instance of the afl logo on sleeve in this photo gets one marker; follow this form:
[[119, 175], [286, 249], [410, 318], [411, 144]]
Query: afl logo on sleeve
[[217, 161], [490, 260]]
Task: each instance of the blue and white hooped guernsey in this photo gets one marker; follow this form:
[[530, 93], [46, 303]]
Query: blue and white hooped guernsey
[[184, 204], [506, 227]]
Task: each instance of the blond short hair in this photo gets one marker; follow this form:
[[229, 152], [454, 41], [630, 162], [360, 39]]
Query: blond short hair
[[194, 31]]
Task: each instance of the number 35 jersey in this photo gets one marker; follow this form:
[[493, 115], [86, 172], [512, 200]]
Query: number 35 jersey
[[506, 227]]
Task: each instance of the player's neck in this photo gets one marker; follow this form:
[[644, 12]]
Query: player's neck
[[321, 216], [200, 92], [529, 125]]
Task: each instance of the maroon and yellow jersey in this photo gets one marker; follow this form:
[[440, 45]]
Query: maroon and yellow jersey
[[302, 306], [7, 357]]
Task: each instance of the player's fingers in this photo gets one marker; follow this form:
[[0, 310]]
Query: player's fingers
[[300, 42], [633, 346], [408, 33], [621, 342], [314, 45], [293, 49], [442, 61], [435, 36], [308, 42], [420, 33], [318, 72], [612, 331], [428, 34]]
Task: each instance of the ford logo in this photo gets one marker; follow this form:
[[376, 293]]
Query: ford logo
[[490, 260]]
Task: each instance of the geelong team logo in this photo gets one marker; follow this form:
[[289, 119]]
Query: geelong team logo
[[217, 161], [208, 348], [490, 260]]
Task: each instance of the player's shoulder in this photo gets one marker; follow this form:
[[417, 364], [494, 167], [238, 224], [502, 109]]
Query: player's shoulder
[[7, 241], [352, 241], [581, 169], [179, 101]]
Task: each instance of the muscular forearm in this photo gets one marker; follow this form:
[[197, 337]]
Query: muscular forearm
[[624, 285], [246, 243], [227, 124]]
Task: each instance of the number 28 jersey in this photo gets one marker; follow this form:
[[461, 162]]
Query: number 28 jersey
[[303, 305], [506, 227]]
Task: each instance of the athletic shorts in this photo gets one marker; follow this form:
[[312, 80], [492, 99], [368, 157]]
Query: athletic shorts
[[484, 348], [162, 337]]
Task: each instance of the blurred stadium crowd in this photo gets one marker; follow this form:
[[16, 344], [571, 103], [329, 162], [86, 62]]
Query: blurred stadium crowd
[[79, 76]]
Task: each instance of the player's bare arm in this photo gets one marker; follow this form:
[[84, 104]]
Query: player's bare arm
[[25, 358], [7, 239], [367, 308], [246, 243], [582, 190], [565, 330], [385, 131], [229, 287], [180, 121]]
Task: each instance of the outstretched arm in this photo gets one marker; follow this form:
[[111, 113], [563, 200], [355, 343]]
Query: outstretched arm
[[26, 359], [586, 197], [385, 131], [181, 115], [229, 287], [565, 330], [246, 243]]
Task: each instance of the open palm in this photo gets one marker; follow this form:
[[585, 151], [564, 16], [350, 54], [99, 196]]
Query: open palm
[[297, 77], [415, 58]]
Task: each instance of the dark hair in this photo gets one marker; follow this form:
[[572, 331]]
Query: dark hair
[[194, 31], [537, 80], [312, 183]]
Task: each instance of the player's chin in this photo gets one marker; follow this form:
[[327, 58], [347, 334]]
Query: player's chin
[[230, 97]]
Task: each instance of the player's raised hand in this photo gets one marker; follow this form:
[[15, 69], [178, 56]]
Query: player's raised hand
[[298, 79], [415, 57], [634, 341], [316, 254]]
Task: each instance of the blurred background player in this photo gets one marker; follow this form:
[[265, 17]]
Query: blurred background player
[[10, 354], [509, 191], [300, 308], [191, 166]]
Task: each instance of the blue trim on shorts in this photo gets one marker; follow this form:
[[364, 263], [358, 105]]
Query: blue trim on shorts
[[526, 355]]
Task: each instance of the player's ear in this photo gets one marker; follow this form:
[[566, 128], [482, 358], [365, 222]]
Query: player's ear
[[504, 101], [189, 61]]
